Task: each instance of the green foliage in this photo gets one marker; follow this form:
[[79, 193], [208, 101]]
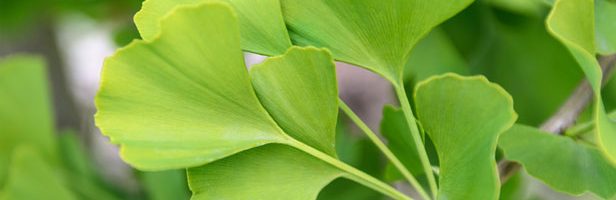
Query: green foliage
[[261, 24], [572, 22], [171, 132], [562, 163], [377, 35], [182, 98], [464, 117], [270, 172], [172, 83]]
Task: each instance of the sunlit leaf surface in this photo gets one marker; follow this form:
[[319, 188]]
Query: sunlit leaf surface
[[261, 25]]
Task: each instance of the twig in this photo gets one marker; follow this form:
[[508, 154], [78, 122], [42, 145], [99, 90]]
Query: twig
[[567, 114]]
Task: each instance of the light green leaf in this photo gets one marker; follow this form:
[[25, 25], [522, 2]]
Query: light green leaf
[[272, 172], [290, 86], [464, 117], [559, 161], [605, 26], [31, 177], [261, 25], [25, 111], [572, 22], [377, 35], [182, 99], [300, 91]]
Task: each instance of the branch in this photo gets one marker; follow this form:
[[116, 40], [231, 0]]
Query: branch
[[567, 114]]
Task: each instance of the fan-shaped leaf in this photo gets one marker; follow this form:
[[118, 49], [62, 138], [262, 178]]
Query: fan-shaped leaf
[[182, 99], [273, 172], [572, 22], [261, 25], [377, 35], [464, 117], [299, 90]]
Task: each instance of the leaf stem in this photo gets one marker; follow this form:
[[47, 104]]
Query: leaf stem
[[375, 139], [412, 124], [351, 172]]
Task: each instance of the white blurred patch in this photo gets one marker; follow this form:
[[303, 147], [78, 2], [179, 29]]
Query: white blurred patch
[[84, 44]]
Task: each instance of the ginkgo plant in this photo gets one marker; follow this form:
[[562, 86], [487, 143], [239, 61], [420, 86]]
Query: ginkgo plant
[[182, 98]]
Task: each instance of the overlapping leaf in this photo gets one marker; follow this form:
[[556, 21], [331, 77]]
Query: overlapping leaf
[[261, 25], [572, 22], [183, 100], [299, 91], [269, 172], [377, 35], [290, 87], [464, 117], [560, 162]]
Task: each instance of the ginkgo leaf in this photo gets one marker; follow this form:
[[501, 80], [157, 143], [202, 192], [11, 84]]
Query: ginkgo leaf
[[32, 177], [377, 35], [605, 26], [572, 22], [580, 167], [464, 117], [25, 110], [301, 96], [272, 172], [261, 26], [290, 87], [182, 99]]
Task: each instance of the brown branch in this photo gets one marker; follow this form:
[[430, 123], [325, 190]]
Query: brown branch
[[567, 114]]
